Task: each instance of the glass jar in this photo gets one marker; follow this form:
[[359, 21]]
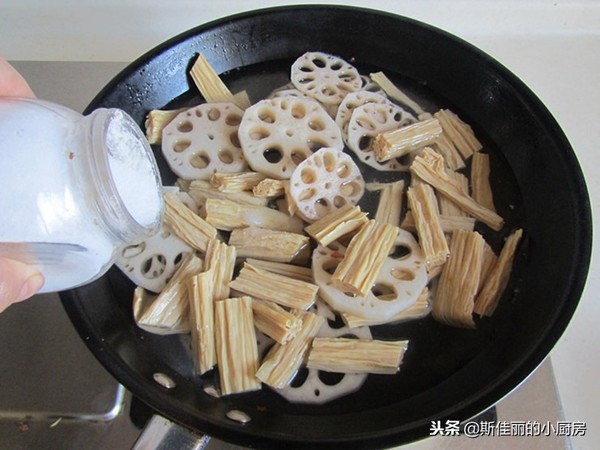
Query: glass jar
[[76, 189]]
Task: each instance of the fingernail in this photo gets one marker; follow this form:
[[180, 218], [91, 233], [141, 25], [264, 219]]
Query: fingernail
[[31, 285]]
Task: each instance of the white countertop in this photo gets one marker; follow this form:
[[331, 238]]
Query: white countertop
[[553, 46]]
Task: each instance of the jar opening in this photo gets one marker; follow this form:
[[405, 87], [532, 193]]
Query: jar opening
[[132, 183]]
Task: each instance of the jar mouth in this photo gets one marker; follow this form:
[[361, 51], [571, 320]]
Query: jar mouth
[[127, 175]]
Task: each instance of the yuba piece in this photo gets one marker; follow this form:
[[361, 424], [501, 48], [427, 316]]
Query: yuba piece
[[262, 243], [460, 133], [336, 224], [190, 227], [289, 270], [429, 166], [200, 294], [324, 182], [496, 282], [389, 207], [271, 188], [447, 206], [157, 120], [220, 258], [366, 123], [203, 140], [211, 86], [282, 362], [142, 299], [283, 290], [399, 142], [277, 134], [228, 215], [459, 280], [424, 208], [448, 150], [325, 77], [201, 190], [274, 321], [395, 92], [448, 223], [480, 180], [170, 308], [236, 182], [345, 355], [237, 353], [364, 258]]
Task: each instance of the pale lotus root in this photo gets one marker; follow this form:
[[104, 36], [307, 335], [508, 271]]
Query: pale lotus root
[[277, 134], [203, 140]]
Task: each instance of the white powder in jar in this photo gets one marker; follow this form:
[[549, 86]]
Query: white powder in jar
[[133, 171]]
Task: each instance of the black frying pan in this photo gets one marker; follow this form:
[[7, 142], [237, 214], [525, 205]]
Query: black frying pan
[[447, 373]]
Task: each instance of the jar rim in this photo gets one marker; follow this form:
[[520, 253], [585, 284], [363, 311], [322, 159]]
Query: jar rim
[[115, 210]]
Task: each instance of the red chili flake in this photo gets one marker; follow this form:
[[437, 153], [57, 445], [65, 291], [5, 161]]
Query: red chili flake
[[337, 255], [71, 155]]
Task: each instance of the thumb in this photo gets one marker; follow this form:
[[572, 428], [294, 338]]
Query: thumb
[[18, 281]]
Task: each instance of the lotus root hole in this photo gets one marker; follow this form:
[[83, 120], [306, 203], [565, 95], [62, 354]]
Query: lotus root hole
[[308, 175], [322, 207], [235, 140], [316, 125], [350, 189], [131, 251], [298, 111], [181, 145], [400, 252], [330, 265], [329, 160], [364, 143], [403, 274], [273, 155], [200, 160], [233, 120], [214, 114], [330, 378], [343, 170], [154, 266], [339, 201], [298, 157], [307, 194], [259, 133], [225, 156], [383, 292], [267, 115], [185, 127]]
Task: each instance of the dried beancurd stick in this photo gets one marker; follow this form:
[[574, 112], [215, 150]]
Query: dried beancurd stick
[[289, 270], [389, 207], [200, 294], [336, 224], [156, 120], [480, 180], [396, 143], [210, 85], [236, 182], [142, 299], [449, 223], [429, 166], [220, 258], [283, 361], [170, 308], [394, 92], [235, 339], [201, 190], [489, 261], [448, 207], [284, 291], [272, 245], [432, 240], [364, 258], [459, 280], [186, 224], [448, 150], [492, 290], [346, 355], [270, 187], [228, 215], [458, 132], [275, 322]]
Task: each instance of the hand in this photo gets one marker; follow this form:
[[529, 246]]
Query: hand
[[18, 281]]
